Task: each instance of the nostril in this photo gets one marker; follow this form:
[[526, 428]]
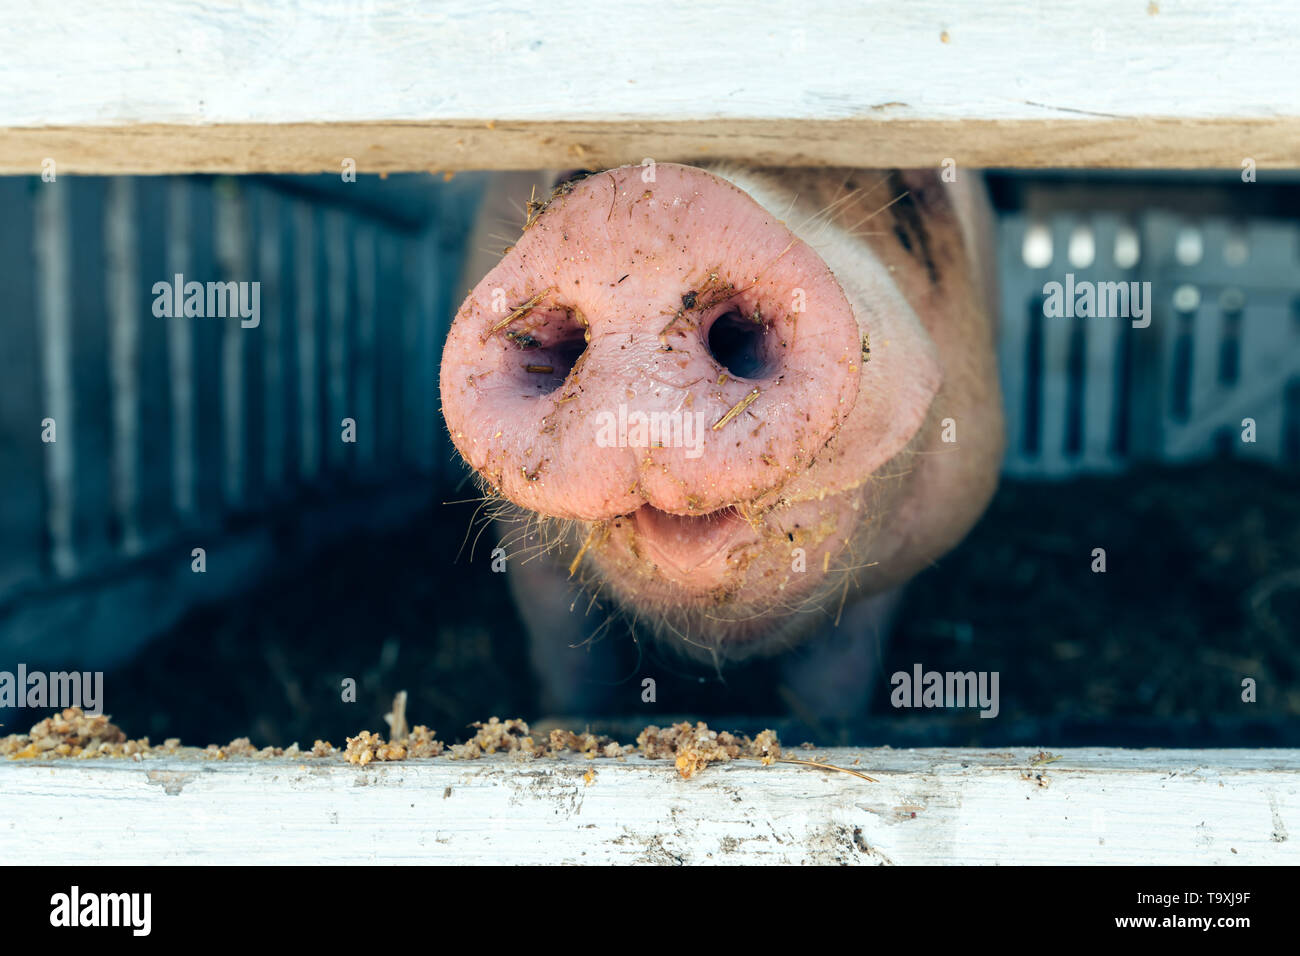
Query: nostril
[[739, 343], [546, 347], [546, 367]]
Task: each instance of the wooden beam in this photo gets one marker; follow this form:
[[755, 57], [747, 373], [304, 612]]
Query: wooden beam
[[300, 87], [926, 806], [456, 146]]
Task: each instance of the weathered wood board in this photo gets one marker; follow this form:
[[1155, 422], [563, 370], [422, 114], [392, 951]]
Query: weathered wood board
[[927, 807], [264, 86]]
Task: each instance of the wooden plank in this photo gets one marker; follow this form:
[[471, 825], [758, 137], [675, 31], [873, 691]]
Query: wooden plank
[[208, 336], [1057, 334], [365, 258], [420, 360], [252, 438], [125, 331], [1020, 290], [307, 339], [388, 350], [1123, 143], [88, 350], [1101, 363], [436, 311], [926, 807], [273, 270], [156, 461], [457, 84], [180, 355], [22, 453], [232, 264], [1269, 350], [338, 297]]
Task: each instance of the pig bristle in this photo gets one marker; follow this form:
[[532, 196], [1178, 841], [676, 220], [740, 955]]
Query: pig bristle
[[703, 634], [852, 231]]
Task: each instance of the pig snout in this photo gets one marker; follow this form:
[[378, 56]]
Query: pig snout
[[665, 352], [735, 432]]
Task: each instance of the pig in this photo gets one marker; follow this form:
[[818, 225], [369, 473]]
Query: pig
[[737, 407]]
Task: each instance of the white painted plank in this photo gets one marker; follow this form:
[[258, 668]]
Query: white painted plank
[[935, 69], [319, 60], [927, 806]]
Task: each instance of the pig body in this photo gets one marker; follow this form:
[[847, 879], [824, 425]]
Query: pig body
[[738, 407]]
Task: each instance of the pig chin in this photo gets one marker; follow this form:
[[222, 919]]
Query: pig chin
[[733, 582]]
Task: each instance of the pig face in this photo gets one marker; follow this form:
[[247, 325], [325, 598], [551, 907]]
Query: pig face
[[720, 420]]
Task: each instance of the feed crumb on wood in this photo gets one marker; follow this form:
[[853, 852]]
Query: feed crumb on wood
[[365, 747], [74, 733], [1042, 779], [691, 747], [694, 747]]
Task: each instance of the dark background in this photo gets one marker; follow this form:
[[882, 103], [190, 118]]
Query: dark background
[[362, 571]]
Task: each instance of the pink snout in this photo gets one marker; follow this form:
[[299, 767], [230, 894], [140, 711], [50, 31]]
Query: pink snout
[[660, 343]]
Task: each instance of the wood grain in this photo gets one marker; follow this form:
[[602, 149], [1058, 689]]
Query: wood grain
[[927, 806], [260, 86]]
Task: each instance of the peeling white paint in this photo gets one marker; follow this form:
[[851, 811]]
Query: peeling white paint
[[928, 806]]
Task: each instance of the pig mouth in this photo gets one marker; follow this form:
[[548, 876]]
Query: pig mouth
[[690, 550], [733, 581]]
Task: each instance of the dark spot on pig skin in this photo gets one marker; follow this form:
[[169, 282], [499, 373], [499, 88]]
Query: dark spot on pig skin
[[909, 223], [573, 176]]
